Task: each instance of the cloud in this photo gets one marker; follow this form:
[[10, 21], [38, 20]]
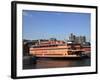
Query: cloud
[[26, 14]]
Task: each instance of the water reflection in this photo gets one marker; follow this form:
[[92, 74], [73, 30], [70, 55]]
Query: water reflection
[[49, 63]]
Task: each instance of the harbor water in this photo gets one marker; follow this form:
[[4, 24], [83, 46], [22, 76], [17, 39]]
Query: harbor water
[[55, 63]]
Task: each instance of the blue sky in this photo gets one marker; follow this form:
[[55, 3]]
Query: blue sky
[[45, 25]]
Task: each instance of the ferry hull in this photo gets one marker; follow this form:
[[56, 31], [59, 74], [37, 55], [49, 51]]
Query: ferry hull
[[63, 57]]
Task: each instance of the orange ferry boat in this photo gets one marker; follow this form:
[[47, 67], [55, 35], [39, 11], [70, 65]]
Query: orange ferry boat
[[57, 49]]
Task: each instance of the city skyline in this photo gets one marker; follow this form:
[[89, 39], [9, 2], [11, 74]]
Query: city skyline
[[45, 25], [68, 39]]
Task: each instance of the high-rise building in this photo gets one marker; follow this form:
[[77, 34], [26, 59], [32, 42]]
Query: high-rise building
[[82, 39], [77, 39], [72, 37]]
